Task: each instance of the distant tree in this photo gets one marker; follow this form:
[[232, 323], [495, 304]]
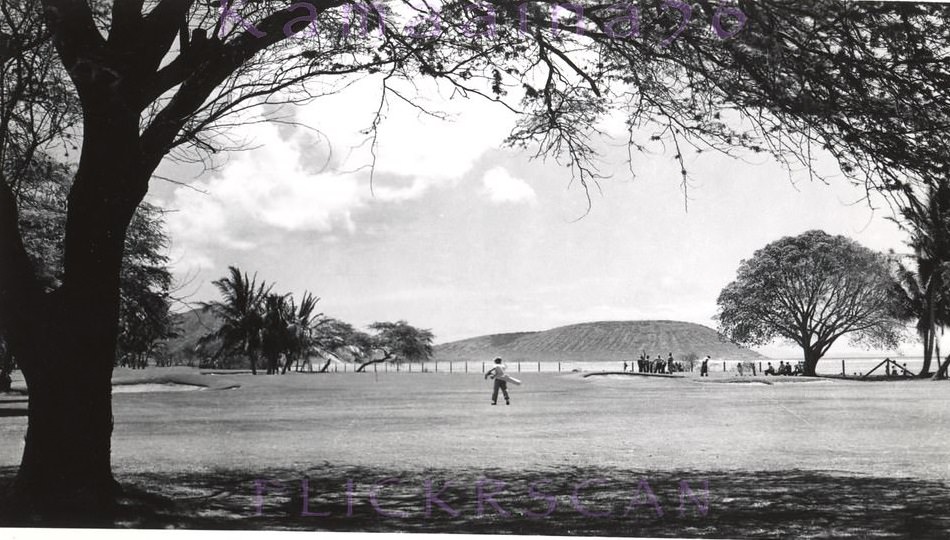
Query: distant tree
[[340, 342], [273, 326], [277, 332], [926, 289], [399, 341], [332, 338], [363, 344], [241, 313], [690, 360], [145, 317], [812, 289], [304, 320], [146, 281], [37, 108], [920, 302]]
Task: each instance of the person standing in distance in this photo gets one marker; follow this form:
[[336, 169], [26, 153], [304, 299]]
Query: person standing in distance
[[704, 368], [501, 381]]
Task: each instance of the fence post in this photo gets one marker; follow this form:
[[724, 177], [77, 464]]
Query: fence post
[[842, 368], [483, 367], [410, 367], [466, 366], [558, 367], [436, 366], [539, 366], [724, 366], [450, 366], [519, 366]]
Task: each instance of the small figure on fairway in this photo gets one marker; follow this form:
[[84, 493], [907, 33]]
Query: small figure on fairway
[[625, 367], [501, 381], [704, 367]]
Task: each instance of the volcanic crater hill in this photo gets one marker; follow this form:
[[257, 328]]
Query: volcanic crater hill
[[599, 341]]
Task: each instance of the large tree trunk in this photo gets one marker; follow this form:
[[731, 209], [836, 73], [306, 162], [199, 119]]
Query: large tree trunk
[[251, 356], [929, 337], [65, 344], [928, 358], [65, 474], [811, 356]]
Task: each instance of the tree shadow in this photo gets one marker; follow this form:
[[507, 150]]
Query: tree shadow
[[607, 502], [9, 412]]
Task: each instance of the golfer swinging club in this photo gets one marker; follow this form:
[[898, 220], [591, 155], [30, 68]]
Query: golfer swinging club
[[501, 381]]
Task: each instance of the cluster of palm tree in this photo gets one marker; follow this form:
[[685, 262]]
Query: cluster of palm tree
[[926, 285], [259, 324]]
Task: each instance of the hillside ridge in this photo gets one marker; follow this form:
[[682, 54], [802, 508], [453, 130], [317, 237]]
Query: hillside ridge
[[600, 340]]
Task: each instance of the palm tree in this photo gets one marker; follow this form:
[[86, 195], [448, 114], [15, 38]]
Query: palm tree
[[925, 304], [928, 223], [240, 311], [277, 333], [303, 324]]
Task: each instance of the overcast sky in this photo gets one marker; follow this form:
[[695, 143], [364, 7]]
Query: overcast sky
[[465, 237]]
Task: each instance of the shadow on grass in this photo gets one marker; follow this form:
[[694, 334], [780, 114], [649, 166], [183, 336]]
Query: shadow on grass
[[607, 502], [7, 412]]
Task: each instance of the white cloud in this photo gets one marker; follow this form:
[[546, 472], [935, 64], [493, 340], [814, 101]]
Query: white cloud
[[411, 143], [501, 187], [295, 181], [267, 187]]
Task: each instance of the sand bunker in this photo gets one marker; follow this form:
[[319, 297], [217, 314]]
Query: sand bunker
[[135, 388]]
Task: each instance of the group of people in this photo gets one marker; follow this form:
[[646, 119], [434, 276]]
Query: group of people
[[659, 365], [785, 368]]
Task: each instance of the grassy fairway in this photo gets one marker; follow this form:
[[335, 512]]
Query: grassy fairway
[[791, 458]]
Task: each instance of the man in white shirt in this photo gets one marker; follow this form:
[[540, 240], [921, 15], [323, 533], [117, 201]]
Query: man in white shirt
[[501, 381]]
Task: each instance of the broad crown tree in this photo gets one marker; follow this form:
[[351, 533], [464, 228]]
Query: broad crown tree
[[812, 289]]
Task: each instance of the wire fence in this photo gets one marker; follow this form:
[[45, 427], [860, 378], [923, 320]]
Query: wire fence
[[826, 366]]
